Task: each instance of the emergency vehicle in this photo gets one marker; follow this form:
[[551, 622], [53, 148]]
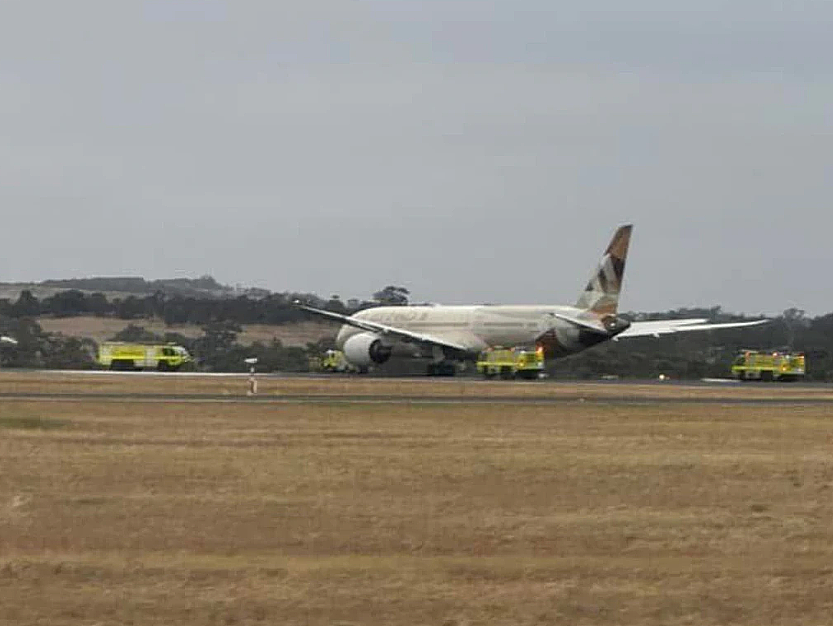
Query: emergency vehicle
[[764, 365], [120, 355], [511, 363], [335, 361]]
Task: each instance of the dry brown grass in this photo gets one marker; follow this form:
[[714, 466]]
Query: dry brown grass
[[576, 513], [103, 328]]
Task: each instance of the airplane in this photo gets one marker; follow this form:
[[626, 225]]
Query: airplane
[[8, 340], [448, 334]]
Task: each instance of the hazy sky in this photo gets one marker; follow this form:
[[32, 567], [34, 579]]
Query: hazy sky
[[473, 151]]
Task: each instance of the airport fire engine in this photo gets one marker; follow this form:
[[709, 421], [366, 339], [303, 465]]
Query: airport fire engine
[[761, 365], [511, 363], [335, 361], [119, 355]]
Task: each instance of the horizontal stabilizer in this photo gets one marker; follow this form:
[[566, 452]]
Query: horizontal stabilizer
[[592, 325], [656, 328]]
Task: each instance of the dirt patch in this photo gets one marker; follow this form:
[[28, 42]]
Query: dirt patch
[[104, 328], [29, 423]]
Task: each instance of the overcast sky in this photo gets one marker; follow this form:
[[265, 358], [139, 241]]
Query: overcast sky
[[473, 151]]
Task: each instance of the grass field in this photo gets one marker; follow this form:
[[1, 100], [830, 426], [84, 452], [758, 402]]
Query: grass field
[[104, 328], [455, 514]]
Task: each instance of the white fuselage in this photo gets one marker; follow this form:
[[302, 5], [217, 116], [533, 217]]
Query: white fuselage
[[476, 327]]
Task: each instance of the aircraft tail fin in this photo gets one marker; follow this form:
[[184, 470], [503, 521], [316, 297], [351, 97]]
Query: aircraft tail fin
[[602, 292]]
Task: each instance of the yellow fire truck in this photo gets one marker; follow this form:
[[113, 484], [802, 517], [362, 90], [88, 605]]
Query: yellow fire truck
[[119, 355], [335, 361], [511, 363], [760, 365]]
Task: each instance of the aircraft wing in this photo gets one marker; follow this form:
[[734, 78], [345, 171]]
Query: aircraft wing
[[655, 328], [391, 331]]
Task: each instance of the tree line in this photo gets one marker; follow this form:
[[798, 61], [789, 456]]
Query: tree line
[[220, 320], [174, 309]]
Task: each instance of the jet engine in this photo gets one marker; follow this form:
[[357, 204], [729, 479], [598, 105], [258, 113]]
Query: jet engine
[[562, 339], [615, 325], [366, 349]]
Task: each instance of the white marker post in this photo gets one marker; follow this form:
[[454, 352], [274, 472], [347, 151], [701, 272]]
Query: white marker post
[[251, 362]]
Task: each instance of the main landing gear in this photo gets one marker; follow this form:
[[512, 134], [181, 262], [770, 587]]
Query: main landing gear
[[441, 368]]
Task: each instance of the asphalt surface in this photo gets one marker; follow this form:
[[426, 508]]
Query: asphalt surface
[[704, 382], [406, 400], [784, 394]]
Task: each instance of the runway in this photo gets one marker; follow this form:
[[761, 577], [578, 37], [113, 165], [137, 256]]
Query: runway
[[703, 382], [394, 400], [565, 395], [156, 387]]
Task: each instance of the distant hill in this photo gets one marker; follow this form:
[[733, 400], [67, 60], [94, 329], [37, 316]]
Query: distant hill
[[202, 287]]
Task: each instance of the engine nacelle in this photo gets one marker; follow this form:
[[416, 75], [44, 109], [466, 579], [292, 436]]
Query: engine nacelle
[[366, 349], [615, 325], [564, 337]]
